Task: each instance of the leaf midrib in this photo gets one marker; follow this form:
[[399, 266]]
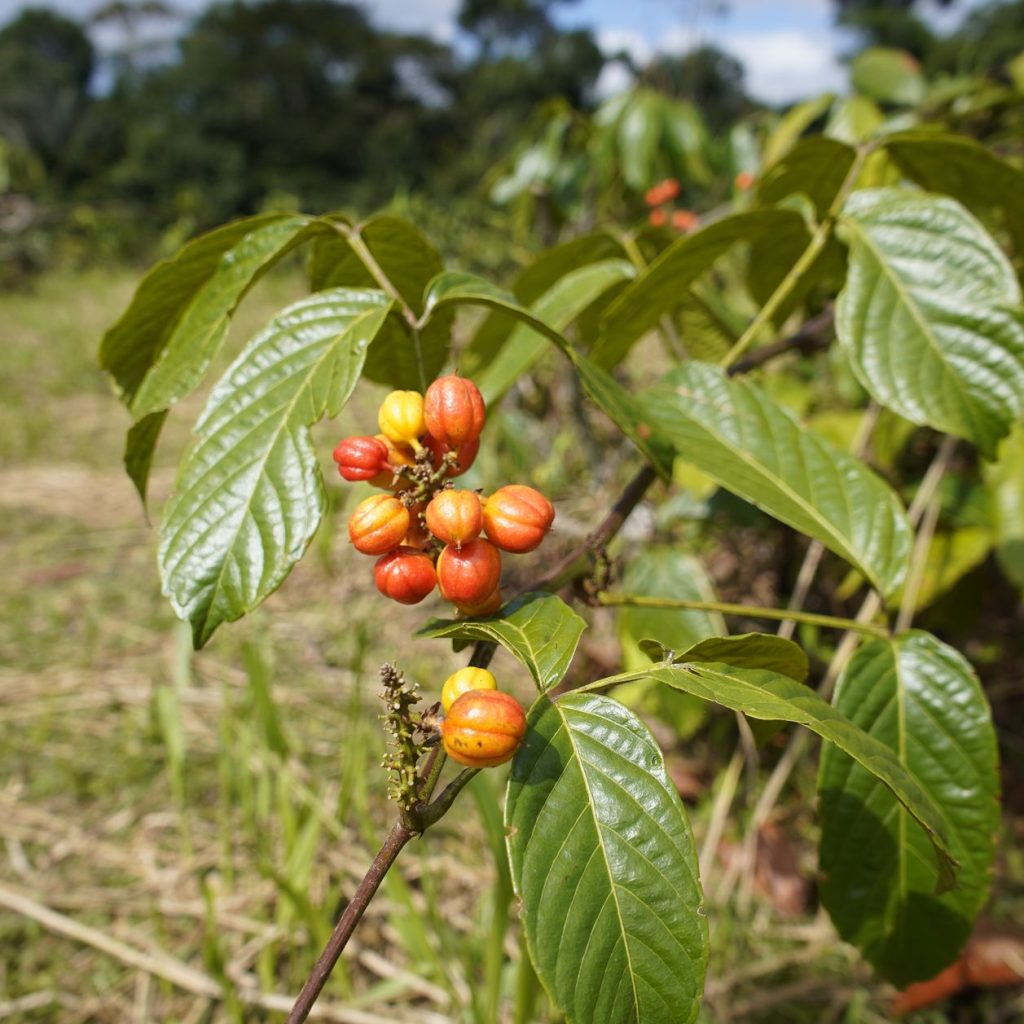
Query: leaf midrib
[[763, 472]]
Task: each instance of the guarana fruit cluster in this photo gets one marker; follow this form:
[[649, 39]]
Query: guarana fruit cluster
[[482, 726], [424, 530]]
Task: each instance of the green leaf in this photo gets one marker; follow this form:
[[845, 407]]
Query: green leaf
[[162, 345], [926, 315], [190, 348], [537, 278], [921, 700], [664, 285], [639, 138], [815, 167], [664, 571], [603, 861], [559, 306], [962, 168], [1004, 482], [402, 357], [541, 630], [785, 135], [750, 650], [737, 435], [854, 119], [131, 347], [249, 495], [455, 288], [772, 696], [887, 75]]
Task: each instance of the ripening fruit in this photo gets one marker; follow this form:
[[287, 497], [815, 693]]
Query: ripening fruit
[[463, 681], [401, 418], [453, 410], [488, 606], [455, 517], [483, 728], [466, 454], [517, 518], [468, 575], [406, 575], [378, 524], [418, 536], [397, 455], [361, 458], [684, 220]]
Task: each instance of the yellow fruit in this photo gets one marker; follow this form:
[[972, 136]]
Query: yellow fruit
[[463, 681]]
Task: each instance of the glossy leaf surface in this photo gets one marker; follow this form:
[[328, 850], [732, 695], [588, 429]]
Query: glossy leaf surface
[[541, 630], [249, 495], [930, 314], [772, 696], [922, 700], [737, 435], [603, 861]]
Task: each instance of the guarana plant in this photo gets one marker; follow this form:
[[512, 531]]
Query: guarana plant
[[894, 264]]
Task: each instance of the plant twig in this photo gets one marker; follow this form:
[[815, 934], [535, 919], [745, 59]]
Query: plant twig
[[814, 335], [788, 285], [751, 611], [386, 856]]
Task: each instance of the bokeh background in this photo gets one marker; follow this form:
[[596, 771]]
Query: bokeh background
[[177, 829]]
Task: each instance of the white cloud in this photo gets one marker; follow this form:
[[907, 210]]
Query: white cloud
[[786, 65], [625, 40], [433, 17]]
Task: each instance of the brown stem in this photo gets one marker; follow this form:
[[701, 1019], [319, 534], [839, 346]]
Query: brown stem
[[570, 567], [815, 334], [386, 856]]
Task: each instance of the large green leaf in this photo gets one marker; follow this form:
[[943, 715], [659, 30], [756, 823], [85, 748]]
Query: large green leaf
[[185, 356], [249, 495], [749, 650], [404, 357], [737, 435], [815, 167], [921, 699], [541, 630], [771, 696], [455, 288], [164, 342], [664, 285], [1004, 482], [962, 168], [559, 306], [887, 75], [131, 347], [603, 861], [664, 571], [786, 133], [930, 314], [536, 278]]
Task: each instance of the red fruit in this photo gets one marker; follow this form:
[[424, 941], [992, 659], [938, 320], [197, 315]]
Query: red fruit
[[466, 454], [470, 575], [517, 518], [397, 455], [657, 218], [684, 220], [744, 181], [406, 575], [664, 192], [360, 458], [453, 410], [418, 537], [455, 517], [483, 728], [378, 525], [488, 606]]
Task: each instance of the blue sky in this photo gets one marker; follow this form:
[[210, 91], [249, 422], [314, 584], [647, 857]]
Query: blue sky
[[789, 47]]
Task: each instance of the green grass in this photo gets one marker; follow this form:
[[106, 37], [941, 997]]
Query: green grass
[[212, 810]]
